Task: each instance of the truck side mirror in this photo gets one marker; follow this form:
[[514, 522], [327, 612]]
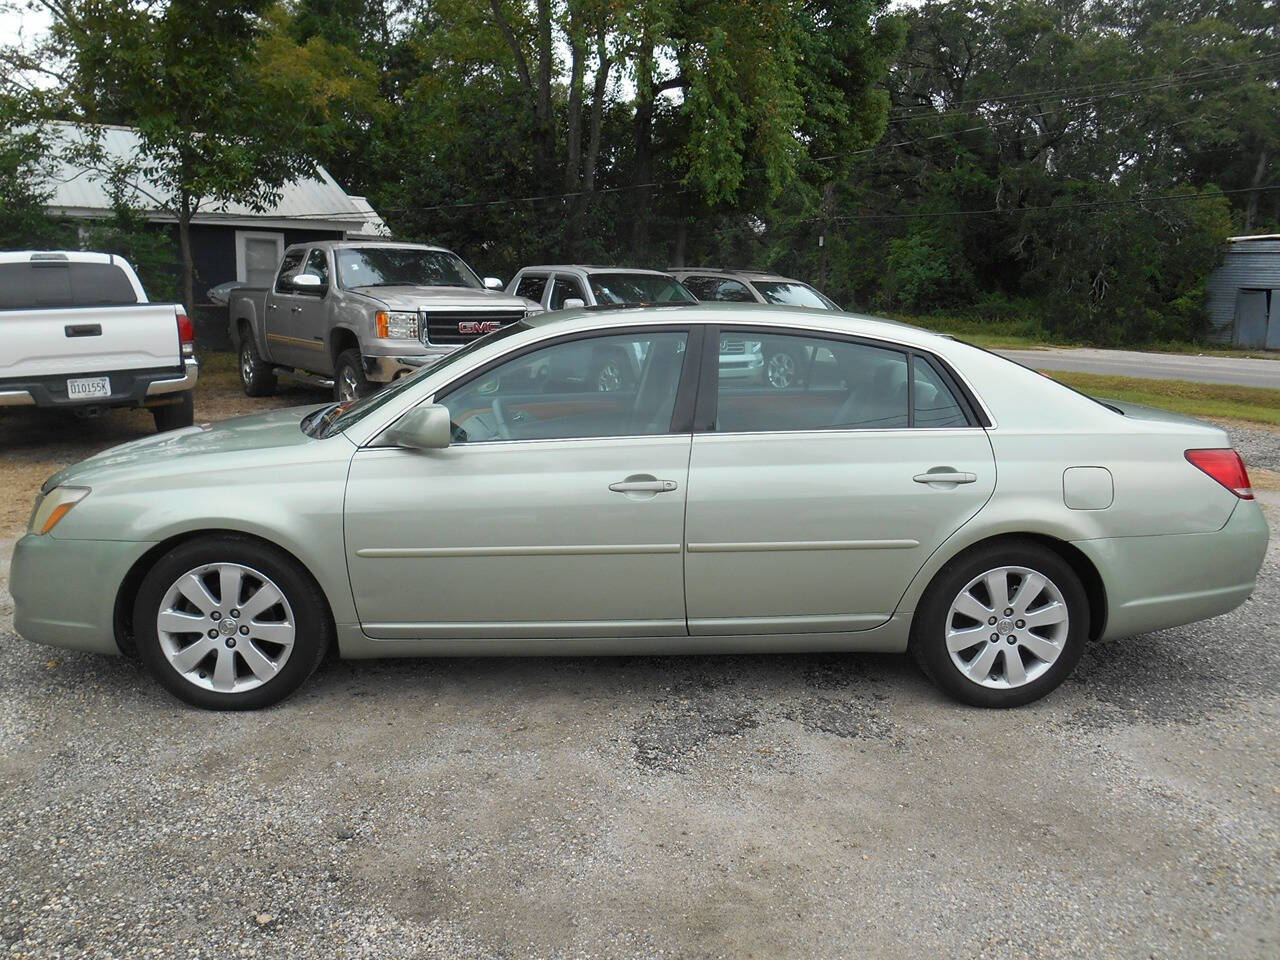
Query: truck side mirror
[[425, 427], [573, 303], [492, 283], [307, 281]]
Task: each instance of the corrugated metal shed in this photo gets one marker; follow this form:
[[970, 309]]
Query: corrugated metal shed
[[1244, 293], [316, 201]]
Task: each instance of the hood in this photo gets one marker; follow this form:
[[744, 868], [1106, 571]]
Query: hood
[[278, 429], [421, 298]]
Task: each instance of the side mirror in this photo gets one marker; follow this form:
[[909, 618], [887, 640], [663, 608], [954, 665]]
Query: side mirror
[[307, 281], [425, 427], [573, 303], [492, 283]]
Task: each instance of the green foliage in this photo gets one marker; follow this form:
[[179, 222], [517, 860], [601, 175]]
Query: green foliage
[[150, 249], [25, 164]]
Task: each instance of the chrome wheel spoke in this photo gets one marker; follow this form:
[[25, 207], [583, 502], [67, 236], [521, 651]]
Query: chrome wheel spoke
[[1014, 670], [1031, 587], [979, 668], [1044, 649], [224, 669], [1047, 616], [972, 607], [193, 588], [265, 597], [281, 633], [172, 621], [958, 640], [263, 668], [229, 581], [997, 582], [186, 659]]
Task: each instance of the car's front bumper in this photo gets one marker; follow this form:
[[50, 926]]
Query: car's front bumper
[[129, 388], [387, 369], [1163, 581], [64, 591]]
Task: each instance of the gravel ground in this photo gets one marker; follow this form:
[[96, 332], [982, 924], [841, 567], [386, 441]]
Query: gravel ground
[[806, 806]]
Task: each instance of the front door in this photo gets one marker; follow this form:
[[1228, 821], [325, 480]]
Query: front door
[[284, 304], [311, 318], [558, 511], [810, 506]]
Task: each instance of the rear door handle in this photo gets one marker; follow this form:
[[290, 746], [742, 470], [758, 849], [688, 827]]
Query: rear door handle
[[643, 486], [945, 475]]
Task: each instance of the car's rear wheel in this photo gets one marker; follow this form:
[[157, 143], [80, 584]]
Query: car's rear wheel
[[175, 416], [1002, 626], [229, 623], [782, 368], [256, 375]]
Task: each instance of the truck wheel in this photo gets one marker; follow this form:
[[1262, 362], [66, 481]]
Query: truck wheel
[[349, 381], [175, 416], [256, 375]]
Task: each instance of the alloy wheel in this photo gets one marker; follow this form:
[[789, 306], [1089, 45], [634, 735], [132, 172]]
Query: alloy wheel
[[226, 627], [246, 365], [781, 370], [1007, 627], [609, 378], [348, 387]]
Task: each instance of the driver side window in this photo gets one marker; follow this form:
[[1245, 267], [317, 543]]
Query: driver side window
[[610, 386]]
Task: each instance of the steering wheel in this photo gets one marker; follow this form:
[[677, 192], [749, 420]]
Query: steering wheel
[[500, 419]]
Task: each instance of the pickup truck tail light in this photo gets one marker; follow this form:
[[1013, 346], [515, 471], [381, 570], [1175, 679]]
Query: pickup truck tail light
[[1225, 466], [186, 336]]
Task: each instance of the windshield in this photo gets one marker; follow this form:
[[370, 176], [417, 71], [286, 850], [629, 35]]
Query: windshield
[[618, 288], [793, 294], [402, 267], [337, 417]]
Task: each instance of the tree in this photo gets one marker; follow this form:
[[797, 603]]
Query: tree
[[25, 162], [212, 126]]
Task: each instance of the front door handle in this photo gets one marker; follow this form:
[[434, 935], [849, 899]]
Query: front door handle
[[647, 485], [295, 309], [945, 475]]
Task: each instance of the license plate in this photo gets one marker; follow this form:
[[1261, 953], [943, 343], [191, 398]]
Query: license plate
[[85, 388]]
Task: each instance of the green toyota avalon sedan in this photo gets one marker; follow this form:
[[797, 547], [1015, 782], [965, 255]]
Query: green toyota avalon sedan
[[905, 492]]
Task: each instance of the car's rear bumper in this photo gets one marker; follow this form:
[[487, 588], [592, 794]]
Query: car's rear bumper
[[1163, 581], [64, 591], [129, 388]]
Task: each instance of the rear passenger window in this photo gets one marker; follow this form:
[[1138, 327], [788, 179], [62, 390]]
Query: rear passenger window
[[771, 382], [531, 287], [934, 405]]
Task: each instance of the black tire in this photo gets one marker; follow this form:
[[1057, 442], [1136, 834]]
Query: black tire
[[175, 416], [783, 367], [928, 643], [256, 375], [313, 626], [348, 374]]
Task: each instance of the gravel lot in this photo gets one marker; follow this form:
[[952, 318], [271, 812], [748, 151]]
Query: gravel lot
[[806, 806]]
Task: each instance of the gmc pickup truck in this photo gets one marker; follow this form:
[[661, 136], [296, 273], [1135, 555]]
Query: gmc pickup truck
[[77, 333], [356, 314]]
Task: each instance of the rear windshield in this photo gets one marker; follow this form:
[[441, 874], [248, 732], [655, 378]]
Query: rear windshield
[[789, 293], [35, 285]]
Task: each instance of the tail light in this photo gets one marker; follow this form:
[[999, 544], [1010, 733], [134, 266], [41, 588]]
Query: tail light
[[186, 336], [1225, 466]]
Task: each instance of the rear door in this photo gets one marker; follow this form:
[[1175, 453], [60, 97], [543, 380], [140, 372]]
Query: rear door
[[284, 305], [811, 507]]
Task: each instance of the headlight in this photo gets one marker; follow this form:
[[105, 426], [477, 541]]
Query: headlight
[[396, 325], [55, 505]]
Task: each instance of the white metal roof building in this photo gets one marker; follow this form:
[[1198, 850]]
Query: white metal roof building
[[1244, 293]]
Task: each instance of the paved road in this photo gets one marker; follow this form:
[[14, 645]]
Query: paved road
[[1154, 366]]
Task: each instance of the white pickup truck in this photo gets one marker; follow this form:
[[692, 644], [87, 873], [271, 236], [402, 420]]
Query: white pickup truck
[[77, 333]]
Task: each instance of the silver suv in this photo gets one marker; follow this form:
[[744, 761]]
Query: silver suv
[[566, 286], [782, 365]]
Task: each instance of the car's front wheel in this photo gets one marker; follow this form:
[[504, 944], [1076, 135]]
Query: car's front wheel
[[1003, 625], [230, 623]]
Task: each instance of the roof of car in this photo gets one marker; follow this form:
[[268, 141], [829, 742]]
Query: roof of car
[[731, 272], [346, 244], [742, 313], [590, 268]]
